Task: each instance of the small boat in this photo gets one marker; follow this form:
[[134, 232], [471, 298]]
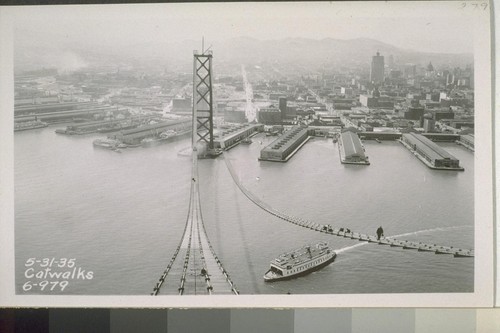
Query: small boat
[[106, 143], [300, 262], [378, 140]]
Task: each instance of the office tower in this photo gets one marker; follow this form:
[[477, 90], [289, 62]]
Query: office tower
[[377, 69], [282, 107]]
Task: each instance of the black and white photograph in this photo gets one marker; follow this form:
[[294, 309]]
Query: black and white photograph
[[288, 153]]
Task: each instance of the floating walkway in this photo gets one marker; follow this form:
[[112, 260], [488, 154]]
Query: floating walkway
[[346, 233], [194, 268]]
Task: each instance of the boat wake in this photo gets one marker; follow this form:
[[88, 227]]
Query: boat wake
[[347, 248], [430, 230], [352, 247]]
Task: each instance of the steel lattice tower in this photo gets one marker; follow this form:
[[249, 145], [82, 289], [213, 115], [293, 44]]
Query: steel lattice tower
[[203, 121]]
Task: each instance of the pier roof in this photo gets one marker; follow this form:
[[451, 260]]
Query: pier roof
[[159, 125], [352, 144], [430, 148], [283, 142]]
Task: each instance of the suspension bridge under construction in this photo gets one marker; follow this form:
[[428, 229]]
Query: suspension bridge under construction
[[194, 268]]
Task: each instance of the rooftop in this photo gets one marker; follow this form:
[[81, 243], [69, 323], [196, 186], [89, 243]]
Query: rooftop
[[430, 148], [352, 144]]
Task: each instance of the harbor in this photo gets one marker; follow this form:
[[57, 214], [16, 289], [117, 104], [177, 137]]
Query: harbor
[[346, 232], [137, 204]]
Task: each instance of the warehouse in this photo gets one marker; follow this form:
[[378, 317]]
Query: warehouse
[[430, 153], [283, 148], [351, 149]]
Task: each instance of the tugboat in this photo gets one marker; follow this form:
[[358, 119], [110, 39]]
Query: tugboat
[[300, 262]]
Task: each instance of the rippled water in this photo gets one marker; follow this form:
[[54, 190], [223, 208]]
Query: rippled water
[[122, 215]]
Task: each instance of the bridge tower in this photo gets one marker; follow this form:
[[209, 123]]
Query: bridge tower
[[203, 121]]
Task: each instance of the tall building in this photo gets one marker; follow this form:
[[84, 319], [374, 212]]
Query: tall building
[[282, 107], [428, 123], [269, 116], [377, 69]]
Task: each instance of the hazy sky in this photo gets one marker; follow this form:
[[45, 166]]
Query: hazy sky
[[423, 26]]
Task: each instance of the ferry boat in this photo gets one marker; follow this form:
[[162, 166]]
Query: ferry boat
[[300, 261]]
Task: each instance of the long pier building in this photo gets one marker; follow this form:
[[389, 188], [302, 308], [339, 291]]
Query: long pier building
[[136, 135], [34, 109], [467, 141], [283, 148], [442, 137], [430, 153], [351, 149], [385, 136], [105, 126], [233, 135], [64, 115]]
